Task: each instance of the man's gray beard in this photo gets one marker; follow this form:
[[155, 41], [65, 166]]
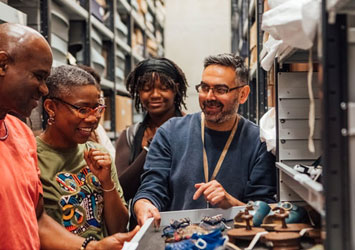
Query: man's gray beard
[[224, 115], [221, 117]]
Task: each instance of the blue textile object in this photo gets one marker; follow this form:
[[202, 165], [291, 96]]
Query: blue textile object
[[175, 163], [207, 242], [183, 245]]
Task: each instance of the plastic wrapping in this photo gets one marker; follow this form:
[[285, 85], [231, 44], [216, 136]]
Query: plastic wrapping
[[290, 24], [268, 130]]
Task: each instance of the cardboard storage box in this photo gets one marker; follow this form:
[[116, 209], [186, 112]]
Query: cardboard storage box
[[253, 56], [271, 96], [302, 67], [106, 118], [123, 112], [253, 38]]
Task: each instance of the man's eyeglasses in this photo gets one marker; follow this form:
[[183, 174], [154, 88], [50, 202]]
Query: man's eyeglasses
[[84, 112], [216, 90]]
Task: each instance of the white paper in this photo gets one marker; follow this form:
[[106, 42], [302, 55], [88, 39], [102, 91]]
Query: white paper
[[268, 130]]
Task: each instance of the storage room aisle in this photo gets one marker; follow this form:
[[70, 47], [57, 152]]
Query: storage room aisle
[[300, 56]]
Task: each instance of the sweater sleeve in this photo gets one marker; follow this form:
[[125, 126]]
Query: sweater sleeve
[[155, 179], [128, 174], [261, 184]]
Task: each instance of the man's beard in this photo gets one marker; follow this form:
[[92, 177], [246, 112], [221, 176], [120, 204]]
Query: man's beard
[[224, 115]]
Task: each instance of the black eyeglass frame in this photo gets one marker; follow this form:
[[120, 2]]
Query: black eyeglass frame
[[77, 108], [213, 88]]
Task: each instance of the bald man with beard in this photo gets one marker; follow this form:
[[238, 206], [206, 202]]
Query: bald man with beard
[[25, 63]]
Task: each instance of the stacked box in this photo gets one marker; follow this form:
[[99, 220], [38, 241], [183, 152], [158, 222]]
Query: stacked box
[[123, 113]]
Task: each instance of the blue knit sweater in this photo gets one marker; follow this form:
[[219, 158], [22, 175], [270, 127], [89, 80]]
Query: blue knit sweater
[[175, 163]]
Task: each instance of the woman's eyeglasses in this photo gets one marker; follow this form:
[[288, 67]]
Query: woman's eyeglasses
[[84, 112]]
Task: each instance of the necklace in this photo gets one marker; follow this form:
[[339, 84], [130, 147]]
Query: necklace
[[3, 138], [224, 152]]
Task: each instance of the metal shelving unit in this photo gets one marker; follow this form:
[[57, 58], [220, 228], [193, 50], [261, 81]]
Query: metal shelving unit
[[334, 137], [249, 13], [104, 42], [336, 144], [310, 191], [11, 15]]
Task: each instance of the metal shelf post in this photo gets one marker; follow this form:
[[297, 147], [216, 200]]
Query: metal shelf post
[[335, 145]]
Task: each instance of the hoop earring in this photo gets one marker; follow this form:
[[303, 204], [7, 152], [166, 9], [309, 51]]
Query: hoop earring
[[51, 120]]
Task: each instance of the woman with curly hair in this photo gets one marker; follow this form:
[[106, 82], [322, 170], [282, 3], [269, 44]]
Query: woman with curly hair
[[158, 88], [80, 185]]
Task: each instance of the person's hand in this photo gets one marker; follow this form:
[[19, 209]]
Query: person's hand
[[215, 194], [144, 210], [114, 241], [100, 165]]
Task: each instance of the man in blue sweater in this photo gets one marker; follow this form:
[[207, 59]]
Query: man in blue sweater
[[213, 158]]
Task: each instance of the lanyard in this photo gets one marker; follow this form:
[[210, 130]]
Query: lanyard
[[224, 152]]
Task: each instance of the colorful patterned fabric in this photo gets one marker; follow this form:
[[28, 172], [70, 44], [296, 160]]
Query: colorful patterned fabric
[[72, 194]]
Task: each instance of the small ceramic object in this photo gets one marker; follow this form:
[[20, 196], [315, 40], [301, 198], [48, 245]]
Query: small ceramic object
[[246, 233], [282, 216], [296, 214], [259, 209]]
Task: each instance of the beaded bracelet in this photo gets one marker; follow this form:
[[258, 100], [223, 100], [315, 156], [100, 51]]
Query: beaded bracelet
[[87, 241], [109, 190]]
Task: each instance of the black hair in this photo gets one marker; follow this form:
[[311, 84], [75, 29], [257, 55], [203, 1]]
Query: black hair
[[230, 60], [151, 69]]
